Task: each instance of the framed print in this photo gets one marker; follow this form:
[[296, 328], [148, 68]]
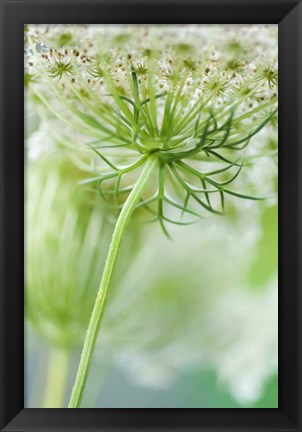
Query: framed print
[[150, 216]]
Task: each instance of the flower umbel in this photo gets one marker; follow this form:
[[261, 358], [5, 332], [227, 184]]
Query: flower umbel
[[196, 124]]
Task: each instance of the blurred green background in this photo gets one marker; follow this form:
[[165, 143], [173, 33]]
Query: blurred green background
[[191, 322]]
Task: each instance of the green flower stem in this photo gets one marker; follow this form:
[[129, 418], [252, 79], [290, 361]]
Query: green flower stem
[[98, 310], [56, 378]]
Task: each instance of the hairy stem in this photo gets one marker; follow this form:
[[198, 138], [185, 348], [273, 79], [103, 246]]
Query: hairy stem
[[98, 310]]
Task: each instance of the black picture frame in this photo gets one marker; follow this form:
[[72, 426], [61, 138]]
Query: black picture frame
[[16, 13]]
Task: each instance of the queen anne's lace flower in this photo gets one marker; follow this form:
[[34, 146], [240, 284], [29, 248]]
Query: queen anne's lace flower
[[181, 101], [192, 98]]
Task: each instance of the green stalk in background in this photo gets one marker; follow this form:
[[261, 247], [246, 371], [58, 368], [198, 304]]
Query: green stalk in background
[[65, 236], [57, 374]]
